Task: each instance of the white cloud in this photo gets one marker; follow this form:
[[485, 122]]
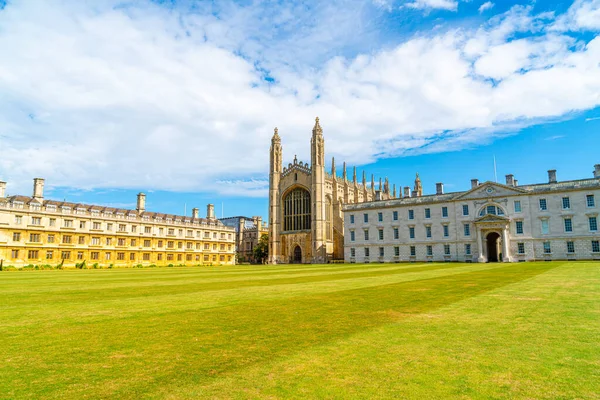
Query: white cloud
[[433, 4], [583, 15], [96, 96], [486, 6]]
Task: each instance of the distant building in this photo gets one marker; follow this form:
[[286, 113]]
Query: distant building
[[34, 230], [247, 234], [306, 222], [488, 223]]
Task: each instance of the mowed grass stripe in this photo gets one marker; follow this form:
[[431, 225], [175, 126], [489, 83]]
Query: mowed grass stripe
[[20, 315], [136, 357], [31, 282]]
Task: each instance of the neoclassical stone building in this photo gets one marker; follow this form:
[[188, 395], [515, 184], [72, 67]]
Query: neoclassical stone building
[[490, 222], [306, 222]]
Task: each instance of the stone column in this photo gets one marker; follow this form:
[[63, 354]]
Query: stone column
[[506, 251], [481, 257]]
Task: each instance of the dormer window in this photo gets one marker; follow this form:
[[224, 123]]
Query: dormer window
[[51, 208], [66, 210]]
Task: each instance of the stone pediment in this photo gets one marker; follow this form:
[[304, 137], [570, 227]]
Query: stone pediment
[[490, 218], [490, 190]]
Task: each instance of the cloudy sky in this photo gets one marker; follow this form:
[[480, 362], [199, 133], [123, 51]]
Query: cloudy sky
[[179, 98]]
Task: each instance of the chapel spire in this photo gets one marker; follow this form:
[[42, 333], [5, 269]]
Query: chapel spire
[[418, 192]]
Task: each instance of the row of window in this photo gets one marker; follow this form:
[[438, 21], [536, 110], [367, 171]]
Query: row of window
[[568, 225], [570, 247], [489, 209], [97, 241], [69, 223], [411, 232], [120, 256]]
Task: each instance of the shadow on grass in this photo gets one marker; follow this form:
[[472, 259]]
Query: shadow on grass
[[140, 357]]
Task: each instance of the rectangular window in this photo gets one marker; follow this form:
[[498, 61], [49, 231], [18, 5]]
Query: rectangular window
[[447, 249], [428, 213], [395, 215], [132, 256], [428, 231], [380, 234], [159, 244], [170, 257], [109, 227], [133, 242], [66, 239], [521, 248], [570, 247], [36, 221], [122, 228], [593, 224], [81, 240], [366, 252], [411, 232], [121, 256], [366, 217], [397, 251], [545, 227], [380, 217], [159, 257], [465, 210], [95, 241], [568, 225], [446, 231], [381, 252], [444, 212], [467, 229], [517, 204], [65, 255], [190, 233], [34, 237], [590, 201], [467, 249], [80, 255], [352, 218], [148, 230], [547, 248], [33, 254], [396, 233], [81, 224], [14, 254], [566, 203], [352, 252], [180, 245], [413, 251], [97, 225], [49, 255], [133, 228], [596, 246], [352, 236], [50, 238], [18, 219], [366, 234], [52, 222], [147, 243], [68, 223], [429, 250], [16, 237], [411, 214], [107, 256], [146, 256], [95, 255], [519, 227], [543, 205]]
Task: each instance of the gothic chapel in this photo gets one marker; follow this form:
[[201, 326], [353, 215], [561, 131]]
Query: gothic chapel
[[306, 221]]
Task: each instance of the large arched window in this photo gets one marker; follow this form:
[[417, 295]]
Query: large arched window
[[296, 210], [491, 209]]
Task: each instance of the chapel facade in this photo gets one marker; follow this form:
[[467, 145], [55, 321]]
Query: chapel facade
[[306, 221]]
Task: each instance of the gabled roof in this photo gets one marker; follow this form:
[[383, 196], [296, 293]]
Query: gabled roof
[[495, 187]]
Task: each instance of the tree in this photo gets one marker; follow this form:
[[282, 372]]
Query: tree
[[261, 251]]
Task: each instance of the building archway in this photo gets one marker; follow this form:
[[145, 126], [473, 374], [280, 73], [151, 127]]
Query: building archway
[[492, 247], [297, 255]]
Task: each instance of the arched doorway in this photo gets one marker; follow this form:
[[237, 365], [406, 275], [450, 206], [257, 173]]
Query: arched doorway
[[297, 255], [492, 246]]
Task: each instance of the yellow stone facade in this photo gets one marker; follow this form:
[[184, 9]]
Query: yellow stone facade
[[306, 221], [38, 231]]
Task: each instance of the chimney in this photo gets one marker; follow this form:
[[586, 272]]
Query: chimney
[[141, 202], [516, 183], [210, 212], [2, 189], [474, 183], [38, 189], [195, 213], [406, 191], [439, 188], [259, 223], [597, 171], [552, 176], [510, 180], [377, 195]]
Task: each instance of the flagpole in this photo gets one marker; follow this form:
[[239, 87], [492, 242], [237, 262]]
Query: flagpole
[[495, 170]]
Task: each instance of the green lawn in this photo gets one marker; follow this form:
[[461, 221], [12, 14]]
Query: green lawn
[[528, 330]]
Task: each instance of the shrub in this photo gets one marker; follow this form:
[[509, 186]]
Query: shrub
[[110, 266], [170, 266]]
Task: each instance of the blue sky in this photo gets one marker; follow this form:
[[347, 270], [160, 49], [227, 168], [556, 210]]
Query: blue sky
[[179, 99]]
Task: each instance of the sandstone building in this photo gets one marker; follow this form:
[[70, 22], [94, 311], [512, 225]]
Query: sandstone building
[[306, 223], [34, 230], [247, 235], [490, 222]]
